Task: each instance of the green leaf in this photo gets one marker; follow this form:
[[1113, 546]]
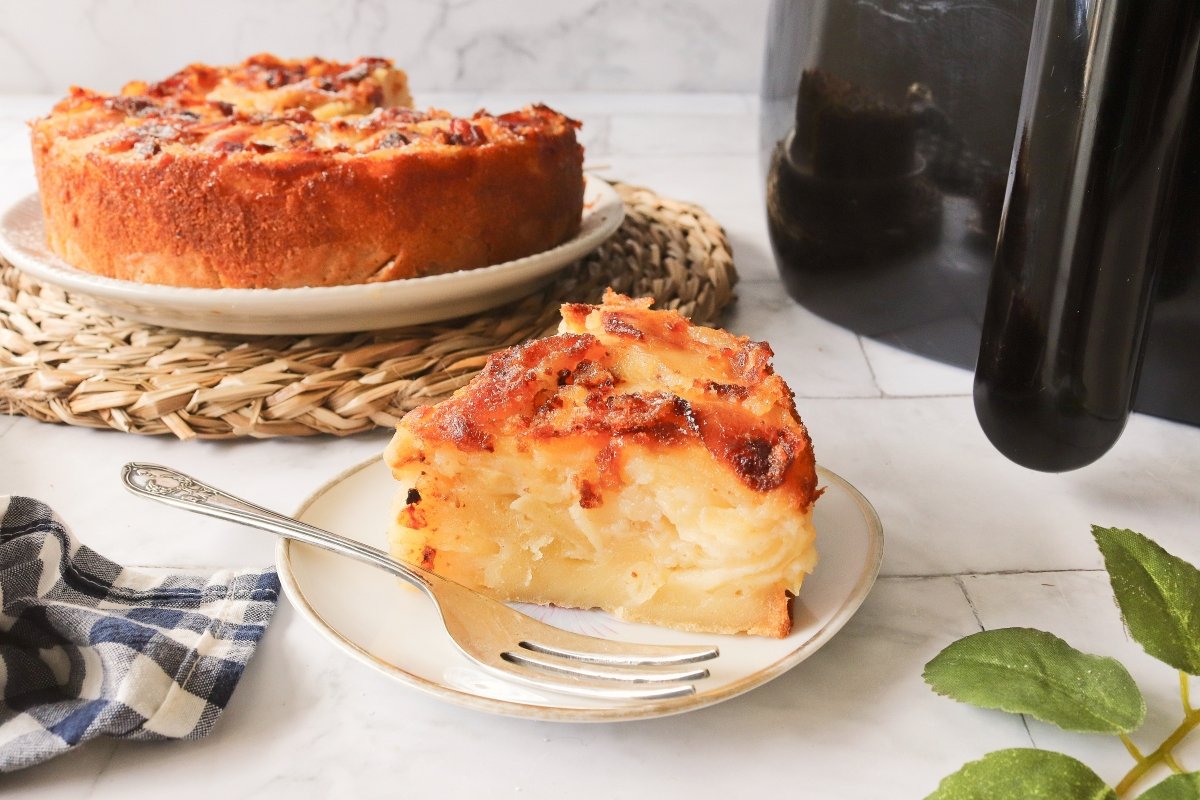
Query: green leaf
[[1176, 787], [1027, 671], [1023, 774], [1158, 593]]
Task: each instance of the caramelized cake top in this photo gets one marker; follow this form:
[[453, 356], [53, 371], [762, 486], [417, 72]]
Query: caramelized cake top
[[268, 105], [621, 373]]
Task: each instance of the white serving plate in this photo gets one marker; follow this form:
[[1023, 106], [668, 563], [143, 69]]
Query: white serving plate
[[387, 625], [331, 309]]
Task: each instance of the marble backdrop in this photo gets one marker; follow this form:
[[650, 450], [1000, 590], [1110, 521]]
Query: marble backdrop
[[446, 45]]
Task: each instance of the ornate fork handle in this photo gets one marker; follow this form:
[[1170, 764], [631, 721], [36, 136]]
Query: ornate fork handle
[[174, 488], [167, 483]]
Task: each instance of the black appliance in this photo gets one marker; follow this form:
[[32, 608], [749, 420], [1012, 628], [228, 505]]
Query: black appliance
[[1008, 185]]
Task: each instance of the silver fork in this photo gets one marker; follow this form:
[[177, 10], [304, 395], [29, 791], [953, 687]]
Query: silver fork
[[500, 639]]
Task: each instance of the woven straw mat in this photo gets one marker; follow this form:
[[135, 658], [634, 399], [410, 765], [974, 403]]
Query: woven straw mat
[[64, 362]]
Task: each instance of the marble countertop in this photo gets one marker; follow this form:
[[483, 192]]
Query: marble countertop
[[973, 542]]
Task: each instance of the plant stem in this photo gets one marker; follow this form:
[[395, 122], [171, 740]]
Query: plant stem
[[1183, 692], [1132, 748], [1162, 753], [1170, 761]]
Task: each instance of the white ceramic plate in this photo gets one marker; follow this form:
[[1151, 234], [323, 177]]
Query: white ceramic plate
[[332, 309], [395, 629]]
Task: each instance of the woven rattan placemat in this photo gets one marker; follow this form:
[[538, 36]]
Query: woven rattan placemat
[[61, 361]]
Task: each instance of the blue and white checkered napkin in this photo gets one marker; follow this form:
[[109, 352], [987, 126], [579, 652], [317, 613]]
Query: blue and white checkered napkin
[[89, 648]]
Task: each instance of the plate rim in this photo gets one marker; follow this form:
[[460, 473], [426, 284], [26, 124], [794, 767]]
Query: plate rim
[[180, 300], [845, 611]]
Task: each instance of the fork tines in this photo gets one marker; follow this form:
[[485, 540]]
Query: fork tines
[[645, 655], [632, 672]]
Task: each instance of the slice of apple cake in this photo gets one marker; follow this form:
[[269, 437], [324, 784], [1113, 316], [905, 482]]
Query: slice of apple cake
[[634, 462]]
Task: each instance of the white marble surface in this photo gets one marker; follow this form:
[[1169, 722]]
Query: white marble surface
[[444, 45], [972, 541]]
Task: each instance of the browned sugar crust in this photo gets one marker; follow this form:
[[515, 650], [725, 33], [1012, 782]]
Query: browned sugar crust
[[565, 389]]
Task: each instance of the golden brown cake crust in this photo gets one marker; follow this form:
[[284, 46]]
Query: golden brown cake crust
[[280, 174], [560, 388]]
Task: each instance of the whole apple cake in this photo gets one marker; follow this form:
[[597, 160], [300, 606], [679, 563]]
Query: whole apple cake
[[634, 462], [275, 173]]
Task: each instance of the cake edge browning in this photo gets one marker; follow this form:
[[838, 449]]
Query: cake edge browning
[[210, 221], [145, 187]]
